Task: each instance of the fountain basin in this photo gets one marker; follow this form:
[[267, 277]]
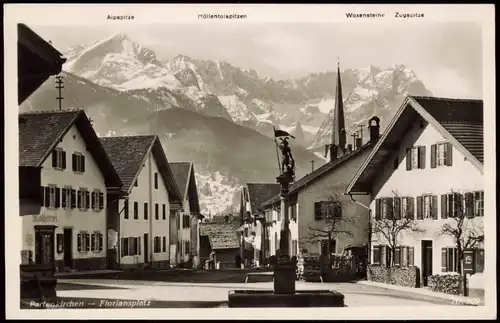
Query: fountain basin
[[301, 298]]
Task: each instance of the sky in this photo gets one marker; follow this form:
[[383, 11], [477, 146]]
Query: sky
[[446, 57]]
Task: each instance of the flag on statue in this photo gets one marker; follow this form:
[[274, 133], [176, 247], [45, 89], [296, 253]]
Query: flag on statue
[[281, 133]]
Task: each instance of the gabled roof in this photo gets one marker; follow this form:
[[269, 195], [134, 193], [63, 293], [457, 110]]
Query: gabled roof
[[459, 121], [221, 236], [184, 176], [258, 193], [129, 153], [36, 61], [40, 132], [319, 172]]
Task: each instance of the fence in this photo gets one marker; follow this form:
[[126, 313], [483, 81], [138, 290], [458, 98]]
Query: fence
[[335, 268]]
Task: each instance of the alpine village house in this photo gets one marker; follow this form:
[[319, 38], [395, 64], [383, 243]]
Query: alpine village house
[[256, 229], [140, 221], [319, 211], [77, 178], [185, 233], [428, 166]]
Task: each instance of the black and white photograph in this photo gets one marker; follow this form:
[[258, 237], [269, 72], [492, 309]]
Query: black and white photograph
[[217, 157]]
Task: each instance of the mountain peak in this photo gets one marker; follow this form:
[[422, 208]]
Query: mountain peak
[[119, 35]]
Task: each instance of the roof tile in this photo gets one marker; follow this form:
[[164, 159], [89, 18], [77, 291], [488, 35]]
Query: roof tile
[[221, 236]]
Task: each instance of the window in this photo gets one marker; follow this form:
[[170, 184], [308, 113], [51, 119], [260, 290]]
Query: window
[[186, 247], [449, 260], [185, 221], [403, 256], [125, 209], [157, 212], [83, 199], [157, 245], [51, 196], [441, 154], [451, 205], [478, 203], [83, 241], [164, 249], [145, 211], [164, 212], [327, 210], [78, 161], [427, 207], [136, 210], [293, 212], [404, 207], [131, 246], [97, 200], [96, 241], [415, 158], [156, 181], [59, 158], [66, 198], [377, 252], [136, 183]]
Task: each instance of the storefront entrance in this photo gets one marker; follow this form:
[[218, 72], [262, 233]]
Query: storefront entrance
[[44, 245]]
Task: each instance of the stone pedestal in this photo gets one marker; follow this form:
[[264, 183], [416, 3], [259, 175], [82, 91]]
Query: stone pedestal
[[284, 278]]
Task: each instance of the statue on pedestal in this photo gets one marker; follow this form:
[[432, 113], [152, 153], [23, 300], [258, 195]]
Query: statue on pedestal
[[287, 161]]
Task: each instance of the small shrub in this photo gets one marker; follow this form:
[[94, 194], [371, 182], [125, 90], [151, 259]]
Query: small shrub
[[402, 276], [448, 283]]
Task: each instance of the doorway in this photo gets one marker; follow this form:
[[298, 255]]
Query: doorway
[[426, 261], [68, 247], [146, 248], [44, 245]]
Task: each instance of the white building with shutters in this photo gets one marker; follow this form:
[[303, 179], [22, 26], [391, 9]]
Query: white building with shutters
[[428, 166], [69, 232], [141, 220]]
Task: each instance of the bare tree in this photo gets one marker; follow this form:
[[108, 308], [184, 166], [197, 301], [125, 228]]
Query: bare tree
[[333, 224], [394, 216], [461, 227]]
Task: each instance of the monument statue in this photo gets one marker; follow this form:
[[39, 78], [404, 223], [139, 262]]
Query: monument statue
[[287, 161]]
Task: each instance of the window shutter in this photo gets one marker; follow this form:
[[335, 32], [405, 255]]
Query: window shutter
[[164, 244], [92, 242], [145, 211], [408, 158], [377, 209], [87, 241], [79, 200], [47, 196], [93, 200], [449, 154], [79, 242], [411, 253], [87, 198], [42, 196], [101, 242], [73, 158], [434, 207], [139, 248], [125, 208], [397, 208], [83, 163], [122, 246], [459, 204], [421, 157], [58, 197], [444, 202], [389, 202], [420, 215], [101, 200], [469, 205], [73, 198], [410, 208], [164, 212], [317, 210], [444, 260], [63, 198], [433, 156], [63, 159], [397, 256], [54, 158], [157, 213]]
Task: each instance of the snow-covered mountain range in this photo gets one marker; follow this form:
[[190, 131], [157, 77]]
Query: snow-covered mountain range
[[127, 89]]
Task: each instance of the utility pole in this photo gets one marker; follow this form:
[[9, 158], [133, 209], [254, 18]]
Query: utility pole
[[59, 87], [312, 165]]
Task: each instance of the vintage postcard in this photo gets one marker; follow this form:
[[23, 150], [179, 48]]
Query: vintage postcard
[[204, 161]]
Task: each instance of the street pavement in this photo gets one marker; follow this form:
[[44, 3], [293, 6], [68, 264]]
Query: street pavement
[[355, 294]]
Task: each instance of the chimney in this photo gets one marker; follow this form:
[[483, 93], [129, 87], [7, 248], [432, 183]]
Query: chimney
[[374, 128], [349, 148], [357, 143]]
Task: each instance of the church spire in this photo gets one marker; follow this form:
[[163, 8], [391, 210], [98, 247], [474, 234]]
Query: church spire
[[339, 141]]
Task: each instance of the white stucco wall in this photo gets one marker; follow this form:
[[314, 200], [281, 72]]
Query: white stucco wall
[[461, 177], [87, 220]]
